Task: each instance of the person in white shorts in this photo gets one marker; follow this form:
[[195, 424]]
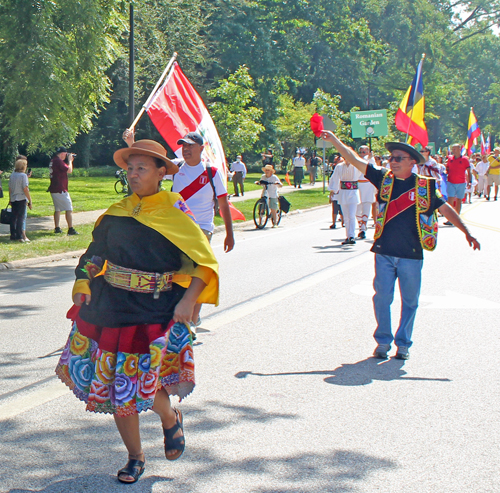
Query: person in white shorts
[[59, 188]]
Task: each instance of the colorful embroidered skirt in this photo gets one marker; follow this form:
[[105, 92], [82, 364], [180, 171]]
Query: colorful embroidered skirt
[[119, 370]]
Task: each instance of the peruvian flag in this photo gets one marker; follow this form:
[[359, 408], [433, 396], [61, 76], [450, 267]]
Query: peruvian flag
[[177, 109]]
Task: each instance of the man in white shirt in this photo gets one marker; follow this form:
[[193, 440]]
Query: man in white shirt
[[366, 195], [239, 171], [298, 170], [481, 170], [194, 183]]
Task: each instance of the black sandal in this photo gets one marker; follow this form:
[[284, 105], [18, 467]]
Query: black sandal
[[172, 443], [134, 468]]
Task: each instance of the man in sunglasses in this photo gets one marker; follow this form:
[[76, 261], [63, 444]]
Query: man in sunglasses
[[400, 239]]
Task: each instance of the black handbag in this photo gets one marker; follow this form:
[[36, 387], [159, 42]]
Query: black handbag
[[6, 216], [284, 204]]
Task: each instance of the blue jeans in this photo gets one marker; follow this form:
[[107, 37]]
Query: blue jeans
[[409, 273]]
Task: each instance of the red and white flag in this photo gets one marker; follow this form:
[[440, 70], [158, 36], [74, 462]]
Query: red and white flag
[[177, 109]]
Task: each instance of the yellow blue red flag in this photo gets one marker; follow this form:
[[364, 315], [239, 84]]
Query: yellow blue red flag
[[410, 115], [473, 131]]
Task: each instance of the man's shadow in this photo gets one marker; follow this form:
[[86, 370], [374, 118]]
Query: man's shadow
[[363, 372]]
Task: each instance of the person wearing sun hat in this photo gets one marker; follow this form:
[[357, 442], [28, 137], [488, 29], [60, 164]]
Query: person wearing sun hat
[[273, 183], [136, 286], [406, 225]]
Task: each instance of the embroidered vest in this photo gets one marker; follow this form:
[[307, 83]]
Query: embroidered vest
[[427, 225]]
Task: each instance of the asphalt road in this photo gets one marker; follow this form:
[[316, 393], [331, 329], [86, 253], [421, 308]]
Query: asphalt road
[[288, 398]]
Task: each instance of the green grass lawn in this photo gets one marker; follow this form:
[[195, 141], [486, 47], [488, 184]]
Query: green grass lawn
[[94, 193], [87, 194]]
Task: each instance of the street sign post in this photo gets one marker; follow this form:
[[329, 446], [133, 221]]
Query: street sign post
[[367, 124]]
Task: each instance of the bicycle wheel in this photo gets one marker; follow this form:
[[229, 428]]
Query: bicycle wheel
[[260, 213], [278, 216], [118, 187]]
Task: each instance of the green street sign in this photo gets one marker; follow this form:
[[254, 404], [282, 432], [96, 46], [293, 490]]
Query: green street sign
[[371, 123], [430, 145]]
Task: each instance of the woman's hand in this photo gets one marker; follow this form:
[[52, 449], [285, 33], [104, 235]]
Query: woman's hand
[[81, 298], [183, 312]]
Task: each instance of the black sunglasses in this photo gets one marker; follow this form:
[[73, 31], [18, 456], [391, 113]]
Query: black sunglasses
[[398, 159]]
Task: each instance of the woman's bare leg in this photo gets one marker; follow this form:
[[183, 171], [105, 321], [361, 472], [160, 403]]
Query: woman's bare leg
[[163, 408], [131, 436]]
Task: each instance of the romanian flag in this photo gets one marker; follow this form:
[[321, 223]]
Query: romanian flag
[[473, 131], [410, 115]]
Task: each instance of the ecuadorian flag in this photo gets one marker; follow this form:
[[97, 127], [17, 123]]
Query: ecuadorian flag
[[473, 131], [410, 115]]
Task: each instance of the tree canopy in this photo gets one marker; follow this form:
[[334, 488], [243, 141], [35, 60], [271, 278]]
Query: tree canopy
[[261, 65]]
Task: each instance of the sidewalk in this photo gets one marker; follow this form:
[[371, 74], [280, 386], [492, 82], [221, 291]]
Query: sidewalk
[[47, 222]]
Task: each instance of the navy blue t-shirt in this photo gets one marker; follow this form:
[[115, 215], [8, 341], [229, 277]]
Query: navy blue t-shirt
[[400, 236]]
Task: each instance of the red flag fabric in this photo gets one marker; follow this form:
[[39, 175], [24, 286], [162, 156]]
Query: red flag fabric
[[178, 109], [317, 124], [287, 179], [236, 215]]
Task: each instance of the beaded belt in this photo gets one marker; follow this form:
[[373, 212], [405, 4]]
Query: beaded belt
[[138, 281], [348, 185]]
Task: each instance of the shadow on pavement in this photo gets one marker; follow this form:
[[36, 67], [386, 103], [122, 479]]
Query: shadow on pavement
[[82, 454], [36, 278], [361, 373]]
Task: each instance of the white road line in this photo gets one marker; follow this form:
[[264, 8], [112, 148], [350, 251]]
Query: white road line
[[28, 401], [244, 309]]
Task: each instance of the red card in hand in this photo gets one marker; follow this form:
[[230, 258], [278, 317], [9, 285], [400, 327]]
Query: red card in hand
[[317, 124]]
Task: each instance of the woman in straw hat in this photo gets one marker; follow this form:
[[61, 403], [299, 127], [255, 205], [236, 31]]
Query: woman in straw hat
[[136, 287]]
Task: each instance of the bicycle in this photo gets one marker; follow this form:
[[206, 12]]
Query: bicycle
[[261, 210], [121, 185]]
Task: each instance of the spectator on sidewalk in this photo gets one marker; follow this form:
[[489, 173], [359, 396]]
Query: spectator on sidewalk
[[59, 188], [19, 198], [239, 170], [298, 169]]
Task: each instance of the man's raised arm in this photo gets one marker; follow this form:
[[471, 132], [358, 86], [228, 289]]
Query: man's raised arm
[[346, 152]]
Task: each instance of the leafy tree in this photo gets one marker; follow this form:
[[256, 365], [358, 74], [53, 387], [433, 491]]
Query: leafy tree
[[54, 57], [237, 119]]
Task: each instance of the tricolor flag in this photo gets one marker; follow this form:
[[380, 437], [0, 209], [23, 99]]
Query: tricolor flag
[[177, 109], [410, 115], [473, 131]]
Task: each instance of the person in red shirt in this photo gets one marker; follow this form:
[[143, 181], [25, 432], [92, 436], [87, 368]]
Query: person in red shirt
[[459, 175], [59, 188]]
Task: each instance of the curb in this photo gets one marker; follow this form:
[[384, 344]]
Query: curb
[[19, 264]]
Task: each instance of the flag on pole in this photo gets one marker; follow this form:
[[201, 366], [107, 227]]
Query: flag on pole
[[411, 112], [483, 144], [473, 131], [177, 109], [487, 146]]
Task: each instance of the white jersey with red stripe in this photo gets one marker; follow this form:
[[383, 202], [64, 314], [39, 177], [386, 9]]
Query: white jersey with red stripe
[[193, 184]]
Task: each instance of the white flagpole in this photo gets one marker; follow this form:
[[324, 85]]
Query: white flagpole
[[153, 92]]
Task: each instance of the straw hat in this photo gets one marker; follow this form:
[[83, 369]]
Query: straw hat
[[144, 148], [268, 167]]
